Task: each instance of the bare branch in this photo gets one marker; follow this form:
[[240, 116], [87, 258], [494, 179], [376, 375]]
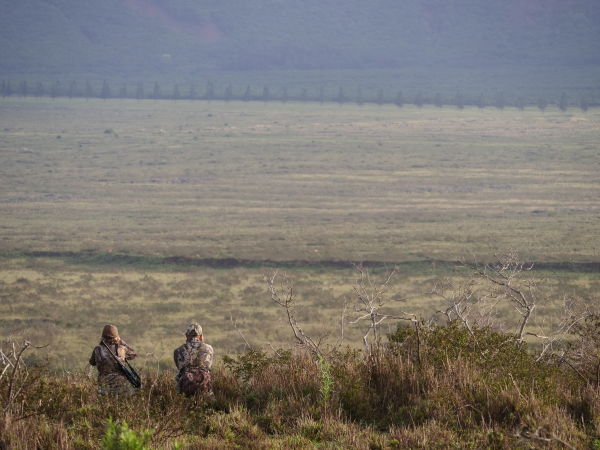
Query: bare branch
[[287, 303], [371, 299], [235, 327]]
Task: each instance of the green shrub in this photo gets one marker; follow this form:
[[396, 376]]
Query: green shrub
[[253, 362], [499, 356], [326, 379], [118, 436]]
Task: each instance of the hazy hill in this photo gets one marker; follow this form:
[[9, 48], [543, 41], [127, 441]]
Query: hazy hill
[[183, 38]]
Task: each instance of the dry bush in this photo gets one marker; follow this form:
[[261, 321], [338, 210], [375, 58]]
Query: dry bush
[[431, 434], [275, 401], [450, 384]]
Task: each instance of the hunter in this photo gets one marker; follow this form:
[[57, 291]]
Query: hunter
[[193, 360], [111, 378]]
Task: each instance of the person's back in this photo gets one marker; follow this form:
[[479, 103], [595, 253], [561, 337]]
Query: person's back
[[111, 380], [194, 360]]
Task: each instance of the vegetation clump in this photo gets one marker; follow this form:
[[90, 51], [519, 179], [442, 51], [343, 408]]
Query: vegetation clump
[[428, 385]]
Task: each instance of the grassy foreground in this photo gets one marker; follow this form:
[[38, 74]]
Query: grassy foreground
[[430, 387]]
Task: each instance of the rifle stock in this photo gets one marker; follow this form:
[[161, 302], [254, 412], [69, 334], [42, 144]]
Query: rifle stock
[[129, 372]]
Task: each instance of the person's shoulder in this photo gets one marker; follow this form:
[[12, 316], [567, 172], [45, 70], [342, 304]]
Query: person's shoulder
[[180, 348], [208, 347]]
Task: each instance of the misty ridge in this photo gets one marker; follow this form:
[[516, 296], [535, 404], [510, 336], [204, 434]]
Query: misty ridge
[[183, 39]]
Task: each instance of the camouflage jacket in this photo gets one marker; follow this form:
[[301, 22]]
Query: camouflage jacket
[[108, 371], [193, 354]]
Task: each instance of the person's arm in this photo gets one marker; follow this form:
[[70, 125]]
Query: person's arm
[[209, 356], [177, 358], [129, 352], [93, 358]]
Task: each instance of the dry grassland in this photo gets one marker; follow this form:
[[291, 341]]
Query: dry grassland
[[298, 181], [274, 182]]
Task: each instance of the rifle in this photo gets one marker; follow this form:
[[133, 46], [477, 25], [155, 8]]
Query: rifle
[[129, 372]]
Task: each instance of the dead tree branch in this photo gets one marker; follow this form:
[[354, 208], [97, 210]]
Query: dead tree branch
[[284, 297], [506, 276], [371, 299], [235, 327]]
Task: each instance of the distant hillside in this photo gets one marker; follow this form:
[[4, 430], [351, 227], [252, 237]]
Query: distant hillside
[[131, 36], [182, 39]]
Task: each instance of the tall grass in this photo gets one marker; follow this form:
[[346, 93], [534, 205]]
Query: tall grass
[[495, 394]]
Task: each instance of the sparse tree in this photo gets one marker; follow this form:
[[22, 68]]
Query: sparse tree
[[156, 91], [210, 91], [370, 307], [139, 90], [481, 101], [72, 88], [282, 293], [192, 94], [582, 354], [55, 90], [265, 94], [303, 94], [176, 94], [583, 104], [520, 103], [89, 90], [123, 91], [542, 104], [459, 100], [458, 296], [380, 97], [399, 100], [563, 104], [283, 296], [284, 95], [359, 96], [6, 88], [321, 94], [506, 276], [24, 88], [341, 98], [438, 101], [475, 302], [247, 94], [105, 93], [419, 101], [228, 94], [18, 376], [40, 91], [500, 102]]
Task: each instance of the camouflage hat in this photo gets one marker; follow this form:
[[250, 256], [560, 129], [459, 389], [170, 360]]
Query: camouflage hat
[[193, 329], [110, 332]]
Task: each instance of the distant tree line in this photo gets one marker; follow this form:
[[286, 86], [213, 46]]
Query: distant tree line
[[340, 95]]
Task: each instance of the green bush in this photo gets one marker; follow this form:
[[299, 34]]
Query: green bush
[[118, 436], [499, 356], [253, 362]]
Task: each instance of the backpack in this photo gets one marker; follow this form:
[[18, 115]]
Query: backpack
[[194, 380]]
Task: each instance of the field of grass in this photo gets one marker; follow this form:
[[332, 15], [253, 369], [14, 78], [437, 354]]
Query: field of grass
[[150, 214], [298, 181]]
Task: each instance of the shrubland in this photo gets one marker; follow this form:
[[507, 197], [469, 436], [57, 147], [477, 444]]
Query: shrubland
[[485, 390], [457, 380]]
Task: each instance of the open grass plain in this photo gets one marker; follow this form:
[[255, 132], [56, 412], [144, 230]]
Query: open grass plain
[[149, 214]]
